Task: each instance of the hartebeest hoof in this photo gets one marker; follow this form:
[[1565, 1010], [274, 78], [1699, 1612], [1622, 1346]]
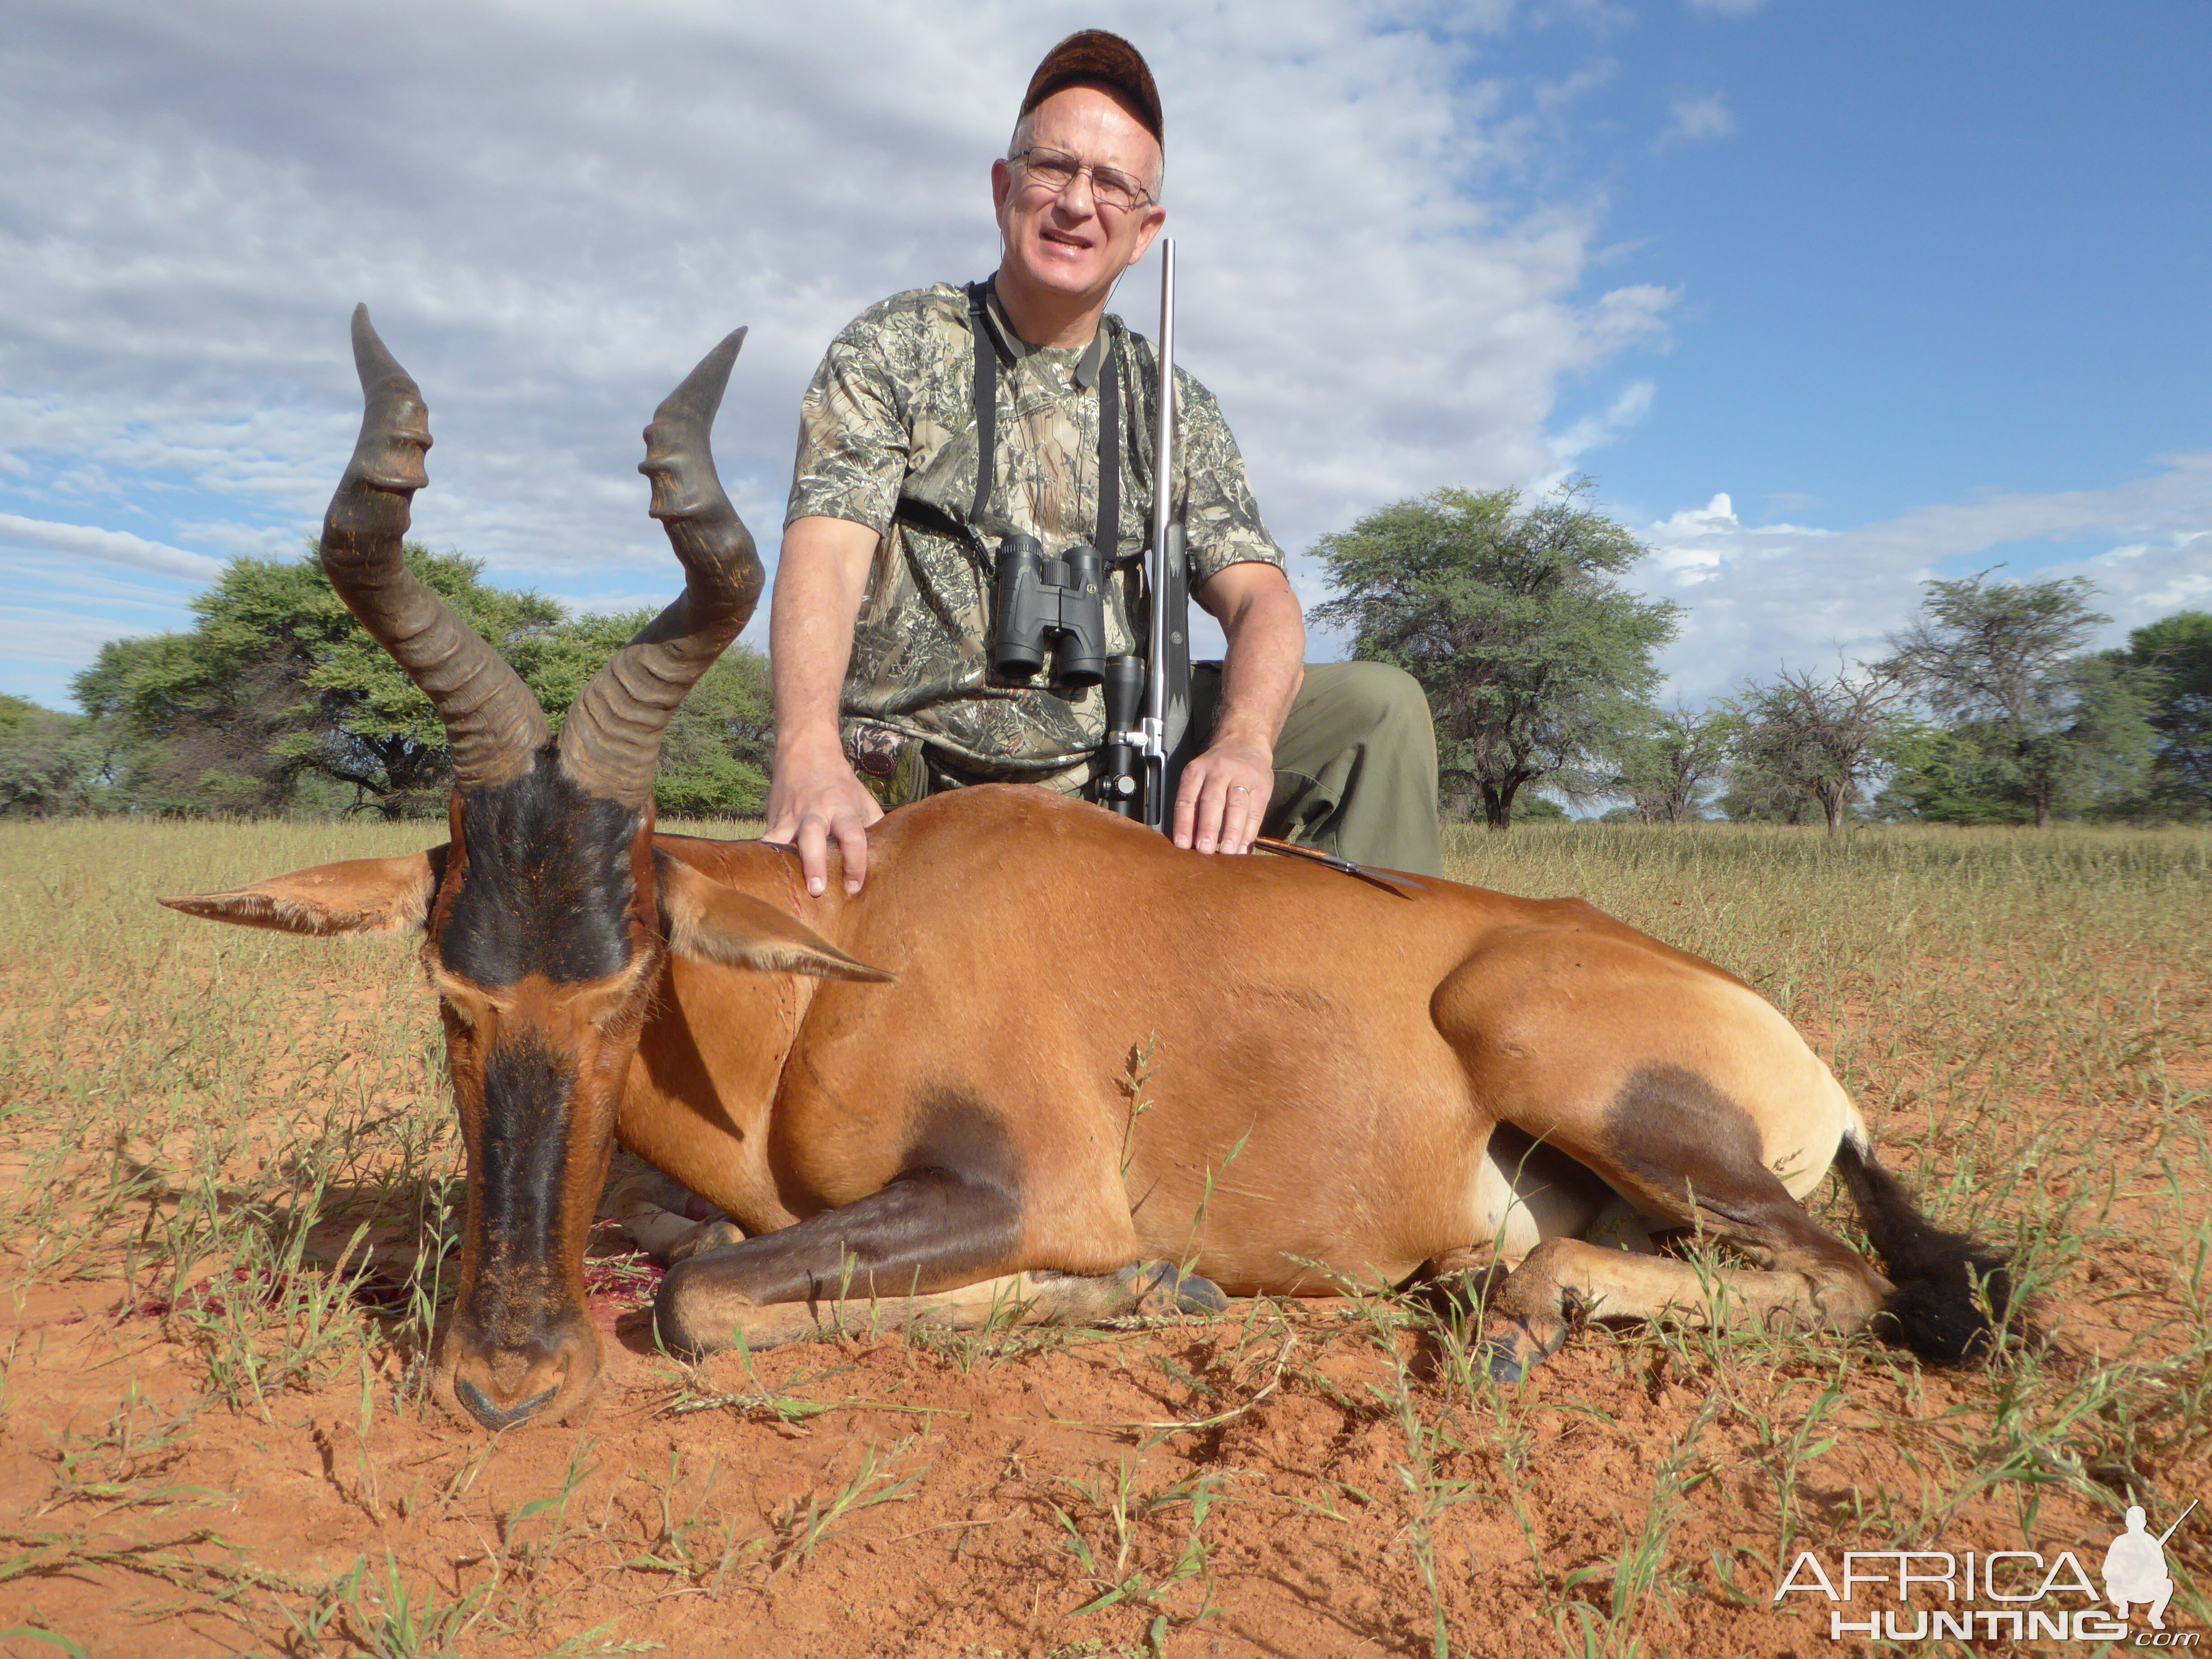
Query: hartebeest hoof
[[1159, 1289], [665, 1219], [1514, 1348], [711, 1234]]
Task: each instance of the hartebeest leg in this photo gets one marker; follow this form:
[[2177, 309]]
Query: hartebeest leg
[[663, 1218], [1690, 1097], [1148, 1289], [1699, 1170], [1530, 1315], [930, 1244]]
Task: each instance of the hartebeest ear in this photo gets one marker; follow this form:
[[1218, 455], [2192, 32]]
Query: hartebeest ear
[[706, 919], [360, 896]]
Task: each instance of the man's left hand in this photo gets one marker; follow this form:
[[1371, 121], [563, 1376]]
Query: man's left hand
[[1223, 796]]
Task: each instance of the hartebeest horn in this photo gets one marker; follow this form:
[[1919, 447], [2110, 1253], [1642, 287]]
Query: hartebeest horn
[[612, 742], [492, 722]]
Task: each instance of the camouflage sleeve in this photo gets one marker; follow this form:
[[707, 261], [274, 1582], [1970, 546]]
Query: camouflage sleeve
[[1221, 519], [853, 439]]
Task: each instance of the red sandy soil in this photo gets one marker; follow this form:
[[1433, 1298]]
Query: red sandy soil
[[229, 1540], [1308, 1548]]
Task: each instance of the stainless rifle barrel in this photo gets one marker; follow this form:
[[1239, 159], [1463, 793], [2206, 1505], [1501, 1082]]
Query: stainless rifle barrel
[[2176, 1527]]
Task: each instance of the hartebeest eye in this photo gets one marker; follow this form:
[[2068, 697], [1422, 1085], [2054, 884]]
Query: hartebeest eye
[[467, 1003], [605, 1001], [599, 1003]]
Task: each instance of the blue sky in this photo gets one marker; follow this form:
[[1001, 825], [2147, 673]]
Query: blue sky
[[1925, 249], [1827, 298]]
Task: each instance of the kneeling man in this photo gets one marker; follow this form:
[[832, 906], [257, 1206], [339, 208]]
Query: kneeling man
[[883, 605]]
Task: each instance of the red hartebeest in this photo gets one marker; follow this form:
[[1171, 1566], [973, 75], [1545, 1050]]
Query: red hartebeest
[[909, 1100]]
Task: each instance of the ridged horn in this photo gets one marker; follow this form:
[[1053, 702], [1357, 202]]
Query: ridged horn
[[492, 722], [611, 745]]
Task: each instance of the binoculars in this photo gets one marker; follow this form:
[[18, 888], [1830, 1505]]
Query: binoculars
[[1049, 605]]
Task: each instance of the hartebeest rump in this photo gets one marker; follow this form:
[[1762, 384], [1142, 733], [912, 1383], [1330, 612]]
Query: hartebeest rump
[[912, 1101]]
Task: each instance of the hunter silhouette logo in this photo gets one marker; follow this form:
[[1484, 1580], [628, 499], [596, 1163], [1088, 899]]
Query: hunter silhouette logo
[[2018, 1596], [2134, 1566]]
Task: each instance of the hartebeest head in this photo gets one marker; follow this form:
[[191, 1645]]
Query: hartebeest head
[[547, 916]]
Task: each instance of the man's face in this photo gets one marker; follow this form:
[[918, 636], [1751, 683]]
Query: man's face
[[1066, 241]]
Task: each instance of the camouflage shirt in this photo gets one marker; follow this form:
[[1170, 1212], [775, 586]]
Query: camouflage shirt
[[890, 416]]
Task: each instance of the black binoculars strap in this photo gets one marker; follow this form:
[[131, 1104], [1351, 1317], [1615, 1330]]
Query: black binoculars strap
[[1107, 537], [987, 400]]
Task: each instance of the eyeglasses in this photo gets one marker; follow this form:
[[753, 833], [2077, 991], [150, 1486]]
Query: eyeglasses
[[1056, 170]]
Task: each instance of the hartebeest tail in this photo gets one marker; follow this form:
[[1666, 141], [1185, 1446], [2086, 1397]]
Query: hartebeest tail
[[1948, 1285]]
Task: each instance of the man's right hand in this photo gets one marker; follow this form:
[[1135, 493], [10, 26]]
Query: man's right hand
[[813, 800], [813, 797]]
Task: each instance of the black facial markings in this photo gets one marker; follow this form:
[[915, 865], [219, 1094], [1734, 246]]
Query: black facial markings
[[522, 1157], [547, 888], [950, 1217]]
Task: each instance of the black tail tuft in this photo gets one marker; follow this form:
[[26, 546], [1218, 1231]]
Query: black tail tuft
[[1934, 1310]]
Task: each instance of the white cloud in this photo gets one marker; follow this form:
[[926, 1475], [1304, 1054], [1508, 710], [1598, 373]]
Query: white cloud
[[617, 605], [46, 579], [1689, 119], [111, 546], [63, 638], [1596, 431], [1758, 596], [258, 542], [553, 210], [2145, 581]]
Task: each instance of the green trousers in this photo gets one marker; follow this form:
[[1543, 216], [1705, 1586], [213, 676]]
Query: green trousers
[[1355, 767]]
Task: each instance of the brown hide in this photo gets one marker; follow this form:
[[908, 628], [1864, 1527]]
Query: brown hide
[[929, 1090], [931, 1087], [1299, 1022]]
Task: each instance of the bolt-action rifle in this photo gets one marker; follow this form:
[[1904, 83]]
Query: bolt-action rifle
[[1148, 697]]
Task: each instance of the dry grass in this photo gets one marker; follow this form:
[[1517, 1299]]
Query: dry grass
[[226, 1166]]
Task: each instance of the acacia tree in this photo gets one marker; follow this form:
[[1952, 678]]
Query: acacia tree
[[276, 684], [50, 762], [278, 698], [2002, 662], [2174, 653], [1666, 759], [1815, 740], [1534, 658]]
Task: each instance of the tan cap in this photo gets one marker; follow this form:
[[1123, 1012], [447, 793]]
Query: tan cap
[[1096, 55]]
